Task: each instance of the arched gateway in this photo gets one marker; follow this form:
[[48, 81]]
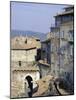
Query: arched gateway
[[30, 85]]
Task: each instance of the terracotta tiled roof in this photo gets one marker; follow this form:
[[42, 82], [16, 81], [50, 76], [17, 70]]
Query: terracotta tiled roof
[[44, 63], [65, 13], [20, 43], [43, 85], [71, 6], [47, 40], [24, 46]]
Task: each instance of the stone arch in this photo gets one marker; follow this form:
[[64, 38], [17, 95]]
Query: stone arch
[[28, 78], [28, 75]]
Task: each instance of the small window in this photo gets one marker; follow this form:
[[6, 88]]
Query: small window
[[26, 41], [19, 63], [16, 39], [62, 34], [65, 73], [54, 71]]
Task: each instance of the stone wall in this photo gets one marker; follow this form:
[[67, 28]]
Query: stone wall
[[23, 55], [19, 83], [67, 61], [45, 69]]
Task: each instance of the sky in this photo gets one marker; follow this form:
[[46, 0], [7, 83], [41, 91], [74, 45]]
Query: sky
[[33, 16]]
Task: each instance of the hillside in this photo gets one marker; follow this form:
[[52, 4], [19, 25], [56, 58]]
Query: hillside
[[41, 36]]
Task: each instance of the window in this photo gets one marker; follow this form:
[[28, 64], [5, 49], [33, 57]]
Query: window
[[54, 71], [26, 41], [71, 50], [17, 40], [57, 34], [71, 33], [19, 63], [57, 21], [65, 18], [62, 34], [52, 47], [62, 50]]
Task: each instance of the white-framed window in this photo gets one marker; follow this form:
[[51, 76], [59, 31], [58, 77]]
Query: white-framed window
[[71, 33], [52, 47], [71, 50], [62, 34]]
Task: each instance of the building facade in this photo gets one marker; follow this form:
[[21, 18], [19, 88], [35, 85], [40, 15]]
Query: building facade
[[65, 22], [44, 63], [23, 65], [61, 42]]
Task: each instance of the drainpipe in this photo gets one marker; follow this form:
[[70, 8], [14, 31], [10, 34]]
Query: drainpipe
[[50, 52], [59, 53], [50, 56]]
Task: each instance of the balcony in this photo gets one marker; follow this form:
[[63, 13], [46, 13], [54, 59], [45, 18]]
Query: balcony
[[44, 62], [54, 28]]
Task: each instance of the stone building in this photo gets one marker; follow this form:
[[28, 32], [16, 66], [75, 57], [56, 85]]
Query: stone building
[[60, 49], [19, 85], [23, 65], [24, 49], [46, 57], [44, 63], [65, 22]]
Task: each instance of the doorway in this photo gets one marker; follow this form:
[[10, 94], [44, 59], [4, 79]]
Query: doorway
[[30, 85]]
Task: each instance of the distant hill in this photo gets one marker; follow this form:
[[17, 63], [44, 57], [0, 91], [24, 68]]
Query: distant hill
[[41, 36]]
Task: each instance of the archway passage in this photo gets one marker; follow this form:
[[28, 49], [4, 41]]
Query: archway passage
[[30, 85]]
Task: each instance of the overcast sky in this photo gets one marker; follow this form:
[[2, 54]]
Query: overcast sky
[[33, 17]]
